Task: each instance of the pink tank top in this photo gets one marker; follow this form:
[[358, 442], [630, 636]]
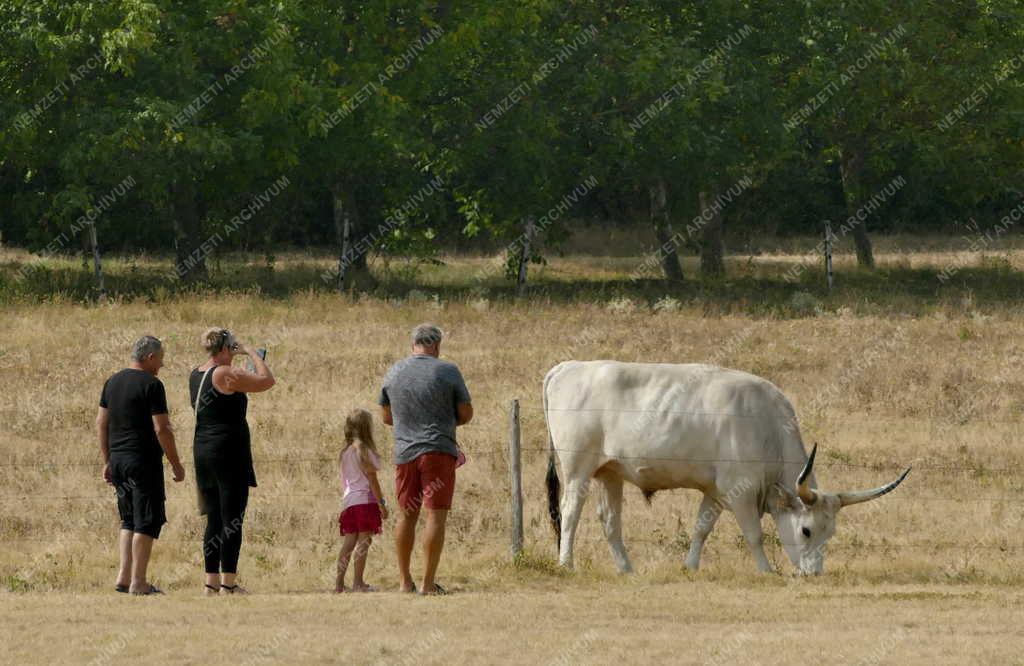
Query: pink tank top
[[355, 487]]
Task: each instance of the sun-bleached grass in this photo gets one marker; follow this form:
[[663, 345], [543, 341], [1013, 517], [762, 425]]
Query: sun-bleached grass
[[940, 390], [623, 621]]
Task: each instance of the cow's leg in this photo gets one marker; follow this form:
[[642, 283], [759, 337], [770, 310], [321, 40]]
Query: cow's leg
[[749, 521], [609, 511], [572, 504], [707, 515]]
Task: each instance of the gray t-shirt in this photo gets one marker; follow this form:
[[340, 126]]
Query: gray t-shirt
[[423, 392]]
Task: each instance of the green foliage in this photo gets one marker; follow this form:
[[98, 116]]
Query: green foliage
[[206, 103]]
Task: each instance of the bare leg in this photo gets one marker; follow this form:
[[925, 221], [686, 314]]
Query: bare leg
[[750, 523], [359, 560], [707, 516], [212, 581], [433, 544], [124, 550], [405, 537], [572, 504], [609, 511], [348, 544], [142, 547]]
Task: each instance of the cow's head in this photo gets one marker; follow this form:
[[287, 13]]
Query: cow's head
[[806, 516]]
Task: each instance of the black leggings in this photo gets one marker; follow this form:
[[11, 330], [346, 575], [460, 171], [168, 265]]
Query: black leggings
[[225, 505]]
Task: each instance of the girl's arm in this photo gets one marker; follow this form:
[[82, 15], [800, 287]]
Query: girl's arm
[[371, 476]]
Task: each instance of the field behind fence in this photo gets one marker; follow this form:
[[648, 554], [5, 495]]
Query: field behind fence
[[941, 393]]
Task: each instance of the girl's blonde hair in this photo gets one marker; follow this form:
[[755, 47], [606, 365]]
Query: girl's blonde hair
[[359, 432]]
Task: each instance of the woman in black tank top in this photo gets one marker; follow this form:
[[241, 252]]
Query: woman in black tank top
[[223, 452]]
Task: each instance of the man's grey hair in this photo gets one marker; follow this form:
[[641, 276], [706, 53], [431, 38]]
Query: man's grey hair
[[145, 346], [426, 335]]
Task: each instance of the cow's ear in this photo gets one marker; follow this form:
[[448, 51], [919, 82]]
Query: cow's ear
[[784, 499]]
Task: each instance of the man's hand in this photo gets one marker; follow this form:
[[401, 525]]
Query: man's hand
[[108, 476], [179, 472]]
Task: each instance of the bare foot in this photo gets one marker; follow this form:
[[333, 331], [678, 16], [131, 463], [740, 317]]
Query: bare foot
[[339, 590], [364, 588], [407, 589]]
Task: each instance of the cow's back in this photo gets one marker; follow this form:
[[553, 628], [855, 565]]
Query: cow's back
[[663, 425]]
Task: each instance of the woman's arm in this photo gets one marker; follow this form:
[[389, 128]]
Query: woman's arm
[[237, 380]]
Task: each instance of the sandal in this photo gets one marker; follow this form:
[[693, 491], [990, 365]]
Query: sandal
[[211, 591], [233, 589], [366, 588], [153, 589], [438, 591], [121, 588]]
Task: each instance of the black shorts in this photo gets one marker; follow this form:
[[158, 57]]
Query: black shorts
[[140, 496]]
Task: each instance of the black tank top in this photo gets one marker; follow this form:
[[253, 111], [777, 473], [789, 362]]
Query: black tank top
[[222, 449]]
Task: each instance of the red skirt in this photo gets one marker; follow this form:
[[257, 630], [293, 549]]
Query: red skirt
[[360, 518]]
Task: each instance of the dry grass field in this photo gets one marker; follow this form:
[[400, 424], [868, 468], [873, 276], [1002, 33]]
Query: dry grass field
[[882, 376]]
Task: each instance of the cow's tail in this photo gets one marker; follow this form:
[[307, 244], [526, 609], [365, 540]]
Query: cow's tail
[[553, 484]]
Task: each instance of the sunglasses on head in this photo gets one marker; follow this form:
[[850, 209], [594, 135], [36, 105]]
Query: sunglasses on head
[[225, 335]]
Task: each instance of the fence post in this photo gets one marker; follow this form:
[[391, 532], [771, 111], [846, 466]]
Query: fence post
[[515, 465], [828, 253]]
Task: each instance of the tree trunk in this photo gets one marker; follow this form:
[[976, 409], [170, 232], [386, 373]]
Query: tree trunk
[[851, 167], [86, 243], [529, 232], [190, 257], [667, 247], [97, 265], [712, 263], [353, 269]]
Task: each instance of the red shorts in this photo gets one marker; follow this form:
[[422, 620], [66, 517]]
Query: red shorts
[[360, 518], [428, 480]]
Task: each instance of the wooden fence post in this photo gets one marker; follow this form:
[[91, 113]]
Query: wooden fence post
[[515, 465]]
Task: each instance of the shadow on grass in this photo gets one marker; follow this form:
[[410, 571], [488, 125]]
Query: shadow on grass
[[884, 290]]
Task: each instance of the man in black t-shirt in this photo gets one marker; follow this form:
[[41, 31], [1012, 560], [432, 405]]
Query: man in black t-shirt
[[135, 433]]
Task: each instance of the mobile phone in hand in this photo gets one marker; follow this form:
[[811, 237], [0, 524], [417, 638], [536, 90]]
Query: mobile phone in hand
[[262, 353]]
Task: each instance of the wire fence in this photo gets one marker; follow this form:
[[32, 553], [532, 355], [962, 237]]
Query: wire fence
[[327, 533], [499, 451]]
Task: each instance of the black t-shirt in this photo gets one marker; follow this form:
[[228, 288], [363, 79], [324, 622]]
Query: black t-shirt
[[132, 397]]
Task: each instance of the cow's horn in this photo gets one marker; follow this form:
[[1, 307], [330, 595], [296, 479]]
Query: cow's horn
[[803, 489], [858, 496]]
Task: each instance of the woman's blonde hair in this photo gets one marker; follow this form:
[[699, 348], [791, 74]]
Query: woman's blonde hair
[[216, 339], [359, 432]]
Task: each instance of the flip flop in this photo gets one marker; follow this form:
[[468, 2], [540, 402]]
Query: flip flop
[[121, 588], [153, 589], [438, 591]]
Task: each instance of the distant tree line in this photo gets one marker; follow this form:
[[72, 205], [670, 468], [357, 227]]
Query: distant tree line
[[394, 127]]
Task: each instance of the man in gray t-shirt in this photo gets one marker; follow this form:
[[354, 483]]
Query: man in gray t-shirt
[[424, 398]]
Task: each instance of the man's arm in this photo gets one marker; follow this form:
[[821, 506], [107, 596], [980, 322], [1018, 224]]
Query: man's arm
[[164, 433], [463, 403], [464, 413], [102, 421]]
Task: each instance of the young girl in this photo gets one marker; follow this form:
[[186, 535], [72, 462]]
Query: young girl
[[362, 503]]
